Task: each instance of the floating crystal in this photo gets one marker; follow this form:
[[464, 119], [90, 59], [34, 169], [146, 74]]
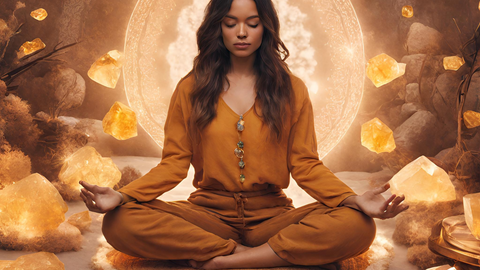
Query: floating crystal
[[88, 165], [30, 207], [106, 70], [383, 69], [453, 62], [471, 119], [120, 122], [377, 137], [407, 11], [471, 205], [34, 261], [39, 14], [81, 220], [422, 180], [30, 47]]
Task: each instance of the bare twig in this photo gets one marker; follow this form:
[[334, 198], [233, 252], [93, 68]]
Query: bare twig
[[9, 76]]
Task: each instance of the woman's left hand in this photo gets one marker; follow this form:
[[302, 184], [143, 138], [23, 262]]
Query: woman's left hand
[[374, 204]]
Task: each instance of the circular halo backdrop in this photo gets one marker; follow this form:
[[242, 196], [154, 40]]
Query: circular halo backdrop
[[326, 51]]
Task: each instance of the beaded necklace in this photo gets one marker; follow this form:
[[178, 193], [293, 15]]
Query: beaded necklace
[[239, 150]]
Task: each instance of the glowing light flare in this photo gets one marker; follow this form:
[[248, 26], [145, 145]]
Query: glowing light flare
[[336, 100], [31, 207], [120, 122], [377, 137], [39, 14], [106, 70], [407, 11], [88, 165], [383, 69], [422, 180], [471, 205], [30, 47], [453, 62]]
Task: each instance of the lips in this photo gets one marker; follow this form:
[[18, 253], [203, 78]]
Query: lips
[[241, 44]]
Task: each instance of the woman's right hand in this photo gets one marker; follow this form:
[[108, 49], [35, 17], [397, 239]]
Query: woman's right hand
[[99, 199]]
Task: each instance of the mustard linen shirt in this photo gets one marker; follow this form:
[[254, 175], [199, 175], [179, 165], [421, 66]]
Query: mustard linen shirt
[[267, 162]]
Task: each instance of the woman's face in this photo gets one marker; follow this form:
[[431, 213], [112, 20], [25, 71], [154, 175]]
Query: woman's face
[[240, 26]]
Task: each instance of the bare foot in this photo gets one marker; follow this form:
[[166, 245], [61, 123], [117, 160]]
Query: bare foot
[[210, 264], [241, 248]]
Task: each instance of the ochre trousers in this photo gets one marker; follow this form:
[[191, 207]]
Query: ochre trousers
[[211, 223]]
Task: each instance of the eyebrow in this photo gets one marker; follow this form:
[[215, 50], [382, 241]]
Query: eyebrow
[[235, 18]]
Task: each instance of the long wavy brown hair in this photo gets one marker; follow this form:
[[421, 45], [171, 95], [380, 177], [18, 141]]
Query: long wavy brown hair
[[273, 87]]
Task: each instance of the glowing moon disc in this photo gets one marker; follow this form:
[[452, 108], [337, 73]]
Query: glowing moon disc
[[323, 36]]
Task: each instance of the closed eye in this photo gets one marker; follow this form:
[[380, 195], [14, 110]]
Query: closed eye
[[232, 25]]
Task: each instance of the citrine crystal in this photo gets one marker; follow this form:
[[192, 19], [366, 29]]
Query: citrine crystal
[[239, 152], [471, 205], [30, 207], [88, 165], [453, 62], [471, 119], [422, 180], [34, 261], [30, 47], [120, 122], [106, 70], [242, 178], [383, 69], [39, 14], [81, 220], [377, 137], [407, 11]]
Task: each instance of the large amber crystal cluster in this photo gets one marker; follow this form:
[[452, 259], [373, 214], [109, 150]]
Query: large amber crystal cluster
[[422, 180], [106, 70], [88, 165], [120, 122], [30, 207], [383, 69], [471, 205], [377, 137]]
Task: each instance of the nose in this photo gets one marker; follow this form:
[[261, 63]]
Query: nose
[[242, 31]]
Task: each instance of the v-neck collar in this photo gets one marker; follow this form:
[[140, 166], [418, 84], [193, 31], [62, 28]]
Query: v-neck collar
[[232, 111]]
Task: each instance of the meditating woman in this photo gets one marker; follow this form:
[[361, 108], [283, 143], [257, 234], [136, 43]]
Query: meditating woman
[[245, 123]]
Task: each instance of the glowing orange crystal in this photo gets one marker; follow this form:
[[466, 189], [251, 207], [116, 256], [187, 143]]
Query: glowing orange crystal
[[39, 14], [471, 119], [106, 70], [40, 260], [120, 122], [471, 205], [407, 11], [81, 220], [422, 180], [377, 137], [88, 165], [453, 62], [383, 69], [30, 207], [30, 47]]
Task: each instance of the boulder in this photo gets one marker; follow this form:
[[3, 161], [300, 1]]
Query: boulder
[[424, 39]]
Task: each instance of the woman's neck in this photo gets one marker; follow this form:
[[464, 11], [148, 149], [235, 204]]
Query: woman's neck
[[242, 66]]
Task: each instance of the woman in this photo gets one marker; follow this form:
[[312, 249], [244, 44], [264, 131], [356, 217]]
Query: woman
[[245, 123]]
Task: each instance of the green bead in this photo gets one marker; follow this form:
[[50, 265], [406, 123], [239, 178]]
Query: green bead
[[240, 144], [242, 178], [241, 164]]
